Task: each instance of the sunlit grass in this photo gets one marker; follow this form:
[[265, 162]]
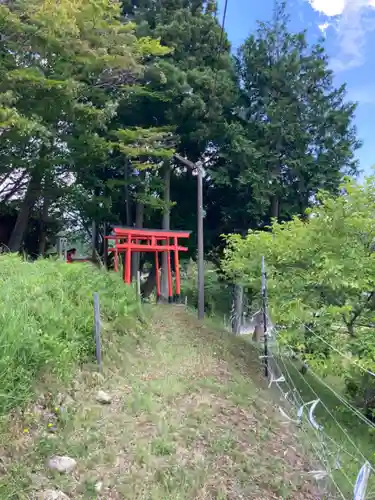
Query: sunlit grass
[[46, 320], [190, 418]]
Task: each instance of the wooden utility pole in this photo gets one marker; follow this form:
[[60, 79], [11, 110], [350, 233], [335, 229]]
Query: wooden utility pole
[[197, 167], [238, 309]]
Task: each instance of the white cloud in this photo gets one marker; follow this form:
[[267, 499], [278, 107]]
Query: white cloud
[[352, 23], [324, 26], [329, 8]]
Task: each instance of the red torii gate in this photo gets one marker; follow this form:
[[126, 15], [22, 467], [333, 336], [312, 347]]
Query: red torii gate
[[130, 239]]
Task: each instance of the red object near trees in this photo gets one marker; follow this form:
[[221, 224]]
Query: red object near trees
[[70, 254], [70, 257], [128, 240]]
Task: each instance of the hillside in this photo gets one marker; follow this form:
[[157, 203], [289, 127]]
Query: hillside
[[190, 418]]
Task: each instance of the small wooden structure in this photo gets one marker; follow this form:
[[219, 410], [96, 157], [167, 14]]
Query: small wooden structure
[[129, 239]]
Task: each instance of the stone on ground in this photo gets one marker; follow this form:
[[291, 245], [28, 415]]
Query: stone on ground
[[62, 464], [103, 398], [99, 486], [54, 495]]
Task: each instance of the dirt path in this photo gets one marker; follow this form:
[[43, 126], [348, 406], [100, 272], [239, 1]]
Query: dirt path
[[190, 418]]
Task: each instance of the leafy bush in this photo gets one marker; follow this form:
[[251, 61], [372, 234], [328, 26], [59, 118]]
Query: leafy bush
[[320, 269], [46, 319], [320, 272], [218, 293]]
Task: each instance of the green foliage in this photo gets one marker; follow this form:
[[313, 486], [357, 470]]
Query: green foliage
[[319, 266], [320, 273], [177, 104], [88, 99], [218, 294], [146, 145], [46, 321], [294, 134], [63, 68], [95, 104]]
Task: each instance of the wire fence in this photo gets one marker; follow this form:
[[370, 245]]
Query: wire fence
[[329, 423], [334, 453]]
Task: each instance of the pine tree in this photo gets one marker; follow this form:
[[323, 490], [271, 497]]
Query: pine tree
[[191, 89], [300, 124]]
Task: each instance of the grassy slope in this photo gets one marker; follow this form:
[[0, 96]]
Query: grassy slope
[[190, 419], [46, 320]]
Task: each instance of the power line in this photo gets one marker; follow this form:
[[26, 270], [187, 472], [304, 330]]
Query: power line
[[343, 400], [218, 52], [339, 447], [300, 403], [223, 24], [221, 40], [219, 49], [322, 454], [333, 417], [321, 450], [339, 352], [361, 482], [335, 393], [342, 449], [321, 436]]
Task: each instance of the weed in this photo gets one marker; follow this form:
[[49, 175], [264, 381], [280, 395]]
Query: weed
[[186, 421], [46, 320], [161, 446]]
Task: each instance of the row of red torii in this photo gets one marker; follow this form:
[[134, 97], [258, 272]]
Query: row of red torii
[[129, 239]]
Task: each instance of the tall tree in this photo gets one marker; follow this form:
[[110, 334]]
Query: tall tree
[[300, 124], [196, 89], [61, 66]]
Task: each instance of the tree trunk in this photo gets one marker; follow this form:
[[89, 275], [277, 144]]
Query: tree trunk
[[238, 309], [351, 331], [94, 240], [31, 196], [258, 332], [136, 256], [149, 284], [95, 231], [128, 218], [275, 207], [275, 199], [166, 225], [43, 226]]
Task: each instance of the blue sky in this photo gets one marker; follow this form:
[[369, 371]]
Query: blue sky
[[349, 28]]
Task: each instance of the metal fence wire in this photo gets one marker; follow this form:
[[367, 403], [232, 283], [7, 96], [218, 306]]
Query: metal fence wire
[[282, 373]]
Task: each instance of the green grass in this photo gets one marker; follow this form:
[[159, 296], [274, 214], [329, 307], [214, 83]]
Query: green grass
[[46, 321], [190, 419]]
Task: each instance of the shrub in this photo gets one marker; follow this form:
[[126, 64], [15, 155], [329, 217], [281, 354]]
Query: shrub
[[218, 293], [46, 320], [320, 281]]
